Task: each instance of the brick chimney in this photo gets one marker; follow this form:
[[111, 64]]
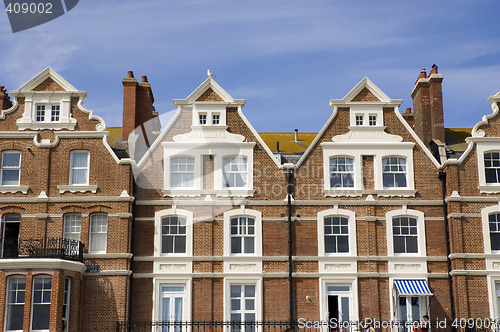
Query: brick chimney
[[428, 106], [137, 104], [409, 117], [5, 102]]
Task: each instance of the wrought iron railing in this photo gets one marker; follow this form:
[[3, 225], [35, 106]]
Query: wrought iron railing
[[41, 248], [208, 326]]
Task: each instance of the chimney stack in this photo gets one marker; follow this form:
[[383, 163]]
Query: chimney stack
[[296, 135], [5, 102], [137, 104], [428, 106]]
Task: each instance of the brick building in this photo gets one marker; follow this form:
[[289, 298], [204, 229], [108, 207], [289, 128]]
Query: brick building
[[381, 214]]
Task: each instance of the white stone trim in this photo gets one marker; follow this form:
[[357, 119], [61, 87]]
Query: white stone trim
[[41, 263], [108, 256], [485, 212], [492, 297], [14, 189], [77, 188]]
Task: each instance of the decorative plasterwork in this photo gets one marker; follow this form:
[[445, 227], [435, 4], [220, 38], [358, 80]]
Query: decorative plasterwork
[[209, 134], [77, 189], [14, 189], [367, 134]]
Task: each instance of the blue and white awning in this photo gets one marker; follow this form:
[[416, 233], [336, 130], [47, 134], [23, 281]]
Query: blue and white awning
[[412, 287]]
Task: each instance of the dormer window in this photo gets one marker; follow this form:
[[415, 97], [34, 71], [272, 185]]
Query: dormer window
[[42, 116], [359, 120], [372, 120], [215, 118], [203, 118]]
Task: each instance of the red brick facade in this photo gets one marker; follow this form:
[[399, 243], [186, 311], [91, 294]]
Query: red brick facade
[[199, 230]]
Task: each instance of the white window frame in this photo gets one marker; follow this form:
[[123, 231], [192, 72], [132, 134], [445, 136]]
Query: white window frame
[[40, 276], [485, 213], [202, 119], [395, 172], [216, 119], [351, 222], [421, 242], [243, 212], [91, 234], [11, 277], [484, 147], [183, 186], [18, 168], [493, 295], [47, 113], [360, 120], [324, 282], [165, 281], [67, 303], [175, 236], [245, 158], [55, 113], [72, 228], [372, 120], [159, 215], [71, 168], [243, 281], [343, 172]]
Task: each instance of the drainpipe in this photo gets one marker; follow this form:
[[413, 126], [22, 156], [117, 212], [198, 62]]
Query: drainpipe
[[442, 177], [289, 178]]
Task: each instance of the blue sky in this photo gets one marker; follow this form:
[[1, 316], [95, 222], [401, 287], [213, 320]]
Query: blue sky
[[286, 58]]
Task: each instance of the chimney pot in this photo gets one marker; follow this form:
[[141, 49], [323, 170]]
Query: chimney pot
[[130, 74], [434, 70], [296, 135], [408, 110], [144, 79]]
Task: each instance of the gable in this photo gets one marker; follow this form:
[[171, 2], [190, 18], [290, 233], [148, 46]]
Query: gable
[[48, 85], [365, 95], [209, 95]]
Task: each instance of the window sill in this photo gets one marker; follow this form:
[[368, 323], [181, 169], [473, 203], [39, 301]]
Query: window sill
[[77, 189], [489, 189], [343, 192], [396, 193], [14, 189], [197, 192], [46, 125]]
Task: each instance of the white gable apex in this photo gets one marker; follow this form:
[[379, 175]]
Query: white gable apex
[[370, 86], [42, 76], [207, 84]]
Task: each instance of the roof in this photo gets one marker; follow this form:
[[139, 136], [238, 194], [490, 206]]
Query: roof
[[455, 138], [287, 142], [115, 136]]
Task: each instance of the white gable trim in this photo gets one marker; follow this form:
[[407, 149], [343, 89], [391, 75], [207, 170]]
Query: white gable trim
[[477, 134], [42, 76], [209, 83]]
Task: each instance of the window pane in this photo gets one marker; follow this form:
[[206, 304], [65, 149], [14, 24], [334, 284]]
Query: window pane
[[399, 244], [236, 245], [343, 243], [180, 244], [249, 245], [235, 304], [235, 291], [411, 244], [249, 290], [167, 244], [11, 159], [495, 241], [10, 177], [250, 304], [15, 315], [80, 159], [330, 244], [98, 232]]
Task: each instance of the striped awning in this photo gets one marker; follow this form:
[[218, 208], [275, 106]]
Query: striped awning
[[412, 287]]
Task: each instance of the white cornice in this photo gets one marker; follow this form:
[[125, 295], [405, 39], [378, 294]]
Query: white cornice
[[41, 263]]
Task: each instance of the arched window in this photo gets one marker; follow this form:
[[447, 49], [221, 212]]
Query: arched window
[[173, 235], [405, 235], [336, 232], [72, 226]]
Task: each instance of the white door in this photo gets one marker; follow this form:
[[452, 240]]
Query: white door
[[339, 304], [410, 309], [172, 299]]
